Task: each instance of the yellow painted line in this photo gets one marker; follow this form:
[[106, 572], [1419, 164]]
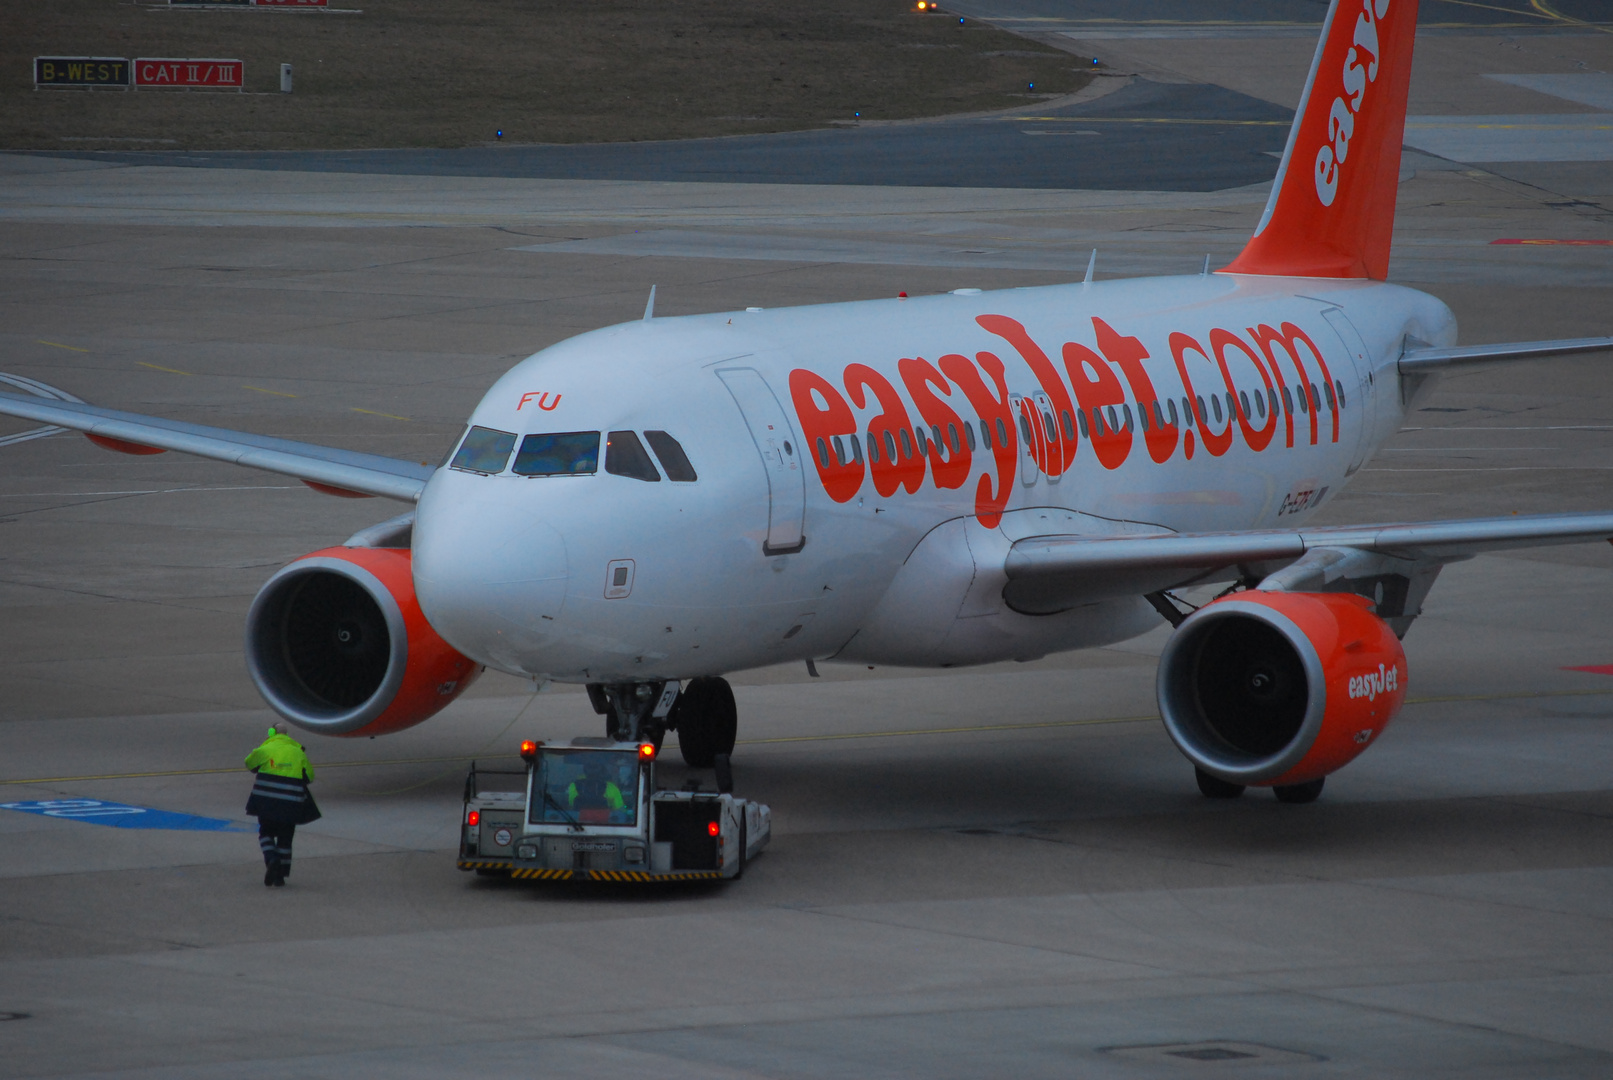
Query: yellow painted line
[[59, 345], [239, 769], [950, 730], [389, 416], [1456, 123], [159, 367], [1041, 725], [1153, 120], [1045, 724], [1075, 26], [1552, 13], [261, 390], [1173, 23], [1493, 7]]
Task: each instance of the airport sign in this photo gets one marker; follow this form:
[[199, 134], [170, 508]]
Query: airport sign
[[151, 71], [81, 71]]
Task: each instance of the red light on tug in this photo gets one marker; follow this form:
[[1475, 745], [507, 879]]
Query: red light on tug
[[713, 828], [529, 749], [473, 818], [646, 751]]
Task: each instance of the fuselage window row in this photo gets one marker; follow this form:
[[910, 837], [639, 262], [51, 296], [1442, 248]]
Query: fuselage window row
[[1106, 420]]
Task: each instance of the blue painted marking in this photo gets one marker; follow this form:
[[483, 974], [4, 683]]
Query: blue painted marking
[[122, 816]]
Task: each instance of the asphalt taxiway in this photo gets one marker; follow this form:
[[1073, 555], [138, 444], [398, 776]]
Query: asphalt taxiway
[[973, 872]]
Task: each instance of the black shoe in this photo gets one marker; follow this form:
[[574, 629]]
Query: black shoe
[[279, 879], [269, 874]]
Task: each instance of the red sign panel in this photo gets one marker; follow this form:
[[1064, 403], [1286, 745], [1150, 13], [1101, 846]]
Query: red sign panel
[[212, 74]]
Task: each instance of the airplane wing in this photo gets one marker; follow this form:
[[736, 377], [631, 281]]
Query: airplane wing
[[1419, 361], [1394, 564], [335, 471]]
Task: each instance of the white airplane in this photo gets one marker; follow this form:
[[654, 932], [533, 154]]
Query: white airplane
[[934, 482]]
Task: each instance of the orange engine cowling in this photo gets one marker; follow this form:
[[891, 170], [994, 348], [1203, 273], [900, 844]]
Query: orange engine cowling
[[337, 644], [1270, 688]]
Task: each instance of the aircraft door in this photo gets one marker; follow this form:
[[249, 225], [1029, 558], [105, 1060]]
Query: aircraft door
[[1047, 433], [1360, 383], [1024, 411], [781, 452]]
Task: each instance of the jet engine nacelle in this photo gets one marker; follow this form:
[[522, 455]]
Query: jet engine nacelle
[[1270, 688], [338, 645]]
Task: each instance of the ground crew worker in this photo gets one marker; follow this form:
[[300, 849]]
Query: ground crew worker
[[280, 799], [595, 791]]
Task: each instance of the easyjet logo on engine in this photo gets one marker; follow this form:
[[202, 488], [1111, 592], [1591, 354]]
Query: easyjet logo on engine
[[1251, 386], [1360, 69], [1385, 680]]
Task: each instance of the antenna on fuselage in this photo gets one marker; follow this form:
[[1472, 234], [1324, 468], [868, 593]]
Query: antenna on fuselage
[[649, 305], [1092, 265], [1206, 271]]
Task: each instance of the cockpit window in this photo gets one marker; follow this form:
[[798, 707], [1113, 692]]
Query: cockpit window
[[484, 450], [673, 459], [570, 453], [625, 456]]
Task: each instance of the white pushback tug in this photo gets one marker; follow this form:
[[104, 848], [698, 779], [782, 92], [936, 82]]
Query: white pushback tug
[[590, 811]]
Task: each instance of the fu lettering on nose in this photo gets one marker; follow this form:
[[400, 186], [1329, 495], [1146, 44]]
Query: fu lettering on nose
[[543, 401]]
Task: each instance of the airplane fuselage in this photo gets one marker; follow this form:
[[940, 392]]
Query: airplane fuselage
[[1183, 404]]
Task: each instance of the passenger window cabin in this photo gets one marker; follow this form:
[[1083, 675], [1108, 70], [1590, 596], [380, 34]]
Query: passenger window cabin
[[918, 441]]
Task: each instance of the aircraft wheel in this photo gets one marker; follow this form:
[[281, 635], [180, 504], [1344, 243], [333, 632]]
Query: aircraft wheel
[[706, 720], [1299, 793], [1213, 787]]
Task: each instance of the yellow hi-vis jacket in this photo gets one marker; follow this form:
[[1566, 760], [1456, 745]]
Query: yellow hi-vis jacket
[[281, 755]]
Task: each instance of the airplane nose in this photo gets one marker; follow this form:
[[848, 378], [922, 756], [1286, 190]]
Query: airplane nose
[[490, 571]]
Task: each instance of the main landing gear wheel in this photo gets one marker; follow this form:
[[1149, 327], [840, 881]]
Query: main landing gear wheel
[[1299, 793], [1213, 787], [706, 720]]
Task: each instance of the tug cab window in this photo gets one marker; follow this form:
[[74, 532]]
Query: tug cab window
[[484, 450], [569, 453], [590, 787], [673, 459], [625, 456]]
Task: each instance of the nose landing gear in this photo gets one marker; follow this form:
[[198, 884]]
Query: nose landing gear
[[704, 715], [634, 712]]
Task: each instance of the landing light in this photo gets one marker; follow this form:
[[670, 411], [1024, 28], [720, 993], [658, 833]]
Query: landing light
[[713, 828], [646, 751]]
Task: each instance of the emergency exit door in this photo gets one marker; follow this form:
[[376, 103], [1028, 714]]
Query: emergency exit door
[[1363, 386], [781, 458]]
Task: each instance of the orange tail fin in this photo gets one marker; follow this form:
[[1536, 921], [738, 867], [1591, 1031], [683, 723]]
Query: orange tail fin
[[1332, 208]]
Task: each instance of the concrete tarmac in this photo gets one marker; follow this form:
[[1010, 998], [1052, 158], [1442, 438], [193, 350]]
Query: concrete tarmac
[[997, 871]]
